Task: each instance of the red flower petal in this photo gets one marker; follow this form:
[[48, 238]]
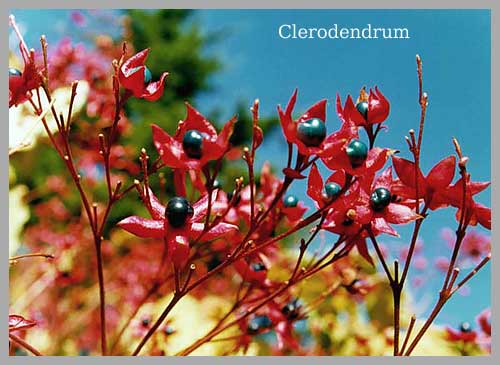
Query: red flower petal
[[225, 135], [483, 215], [295, 213], [363, 251], [315, 185], [169, 149], [399, 214], [376, 159], [143, 227], [318, 110], [158, 209], [154, 90], [384, 180], [178, 249], [17, 323], [201, 206], [131, 73], [406, 172], [180, 182], [478, 186], [195, 120], [137, 60], [291, 173], [378, 107], [217, 231], [287, 124], [380, 225], [442, 173], [350, 114], [247, 274]]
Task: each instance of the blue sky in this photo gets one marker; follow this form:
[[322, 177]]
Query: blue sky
[[454, 46]]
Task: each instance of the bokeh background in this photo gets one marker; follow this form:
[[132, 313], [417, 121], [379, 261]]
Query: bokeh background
[[221, 60]]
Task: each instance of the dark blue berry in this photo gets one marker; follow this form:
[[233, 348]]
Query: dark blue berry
[[332, 190], [311, 132], [178, 211], [291, 310], [362, 108], [290, 201], [380, 198], [14, 72], [259, 323], [192, 143], [357, 152], [258, 266]]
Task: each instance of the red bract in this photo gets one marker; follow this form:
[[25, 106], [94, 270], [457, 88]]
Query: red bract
[[213, 147], [346, 216], [316, 187], [21, 84], [460, 335], [176, 238], [293, 214], [393, 213], [430, 187], [253, 270], [484, 322], [474, 212], [290, 125], [377, 109], [132, 77], [376, 159], [18, 323], [283, 324]]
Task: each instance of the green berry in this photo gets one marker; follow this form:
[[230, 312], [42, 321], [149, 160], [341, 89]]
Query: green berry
[[311, 132]]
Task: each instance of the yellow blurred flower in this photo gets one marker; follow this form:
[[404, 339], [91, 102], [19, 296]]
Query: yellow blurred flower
[[25, 128], [18, 216]]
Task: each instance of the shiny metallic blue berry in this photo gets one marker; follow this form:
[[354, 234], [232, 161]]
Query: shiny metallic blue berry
[[357, 152], [332, 190], [380, 198], [14, 72], [178, 211], [362, 108], [465, 327], [148, 76], [192, 143], [311, 132], [258, 266], [291, 310], [290, 201], [259, 323]]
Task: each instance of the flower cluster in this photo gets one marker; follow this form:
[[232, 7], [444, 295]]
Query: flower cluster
[[246, 246]]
